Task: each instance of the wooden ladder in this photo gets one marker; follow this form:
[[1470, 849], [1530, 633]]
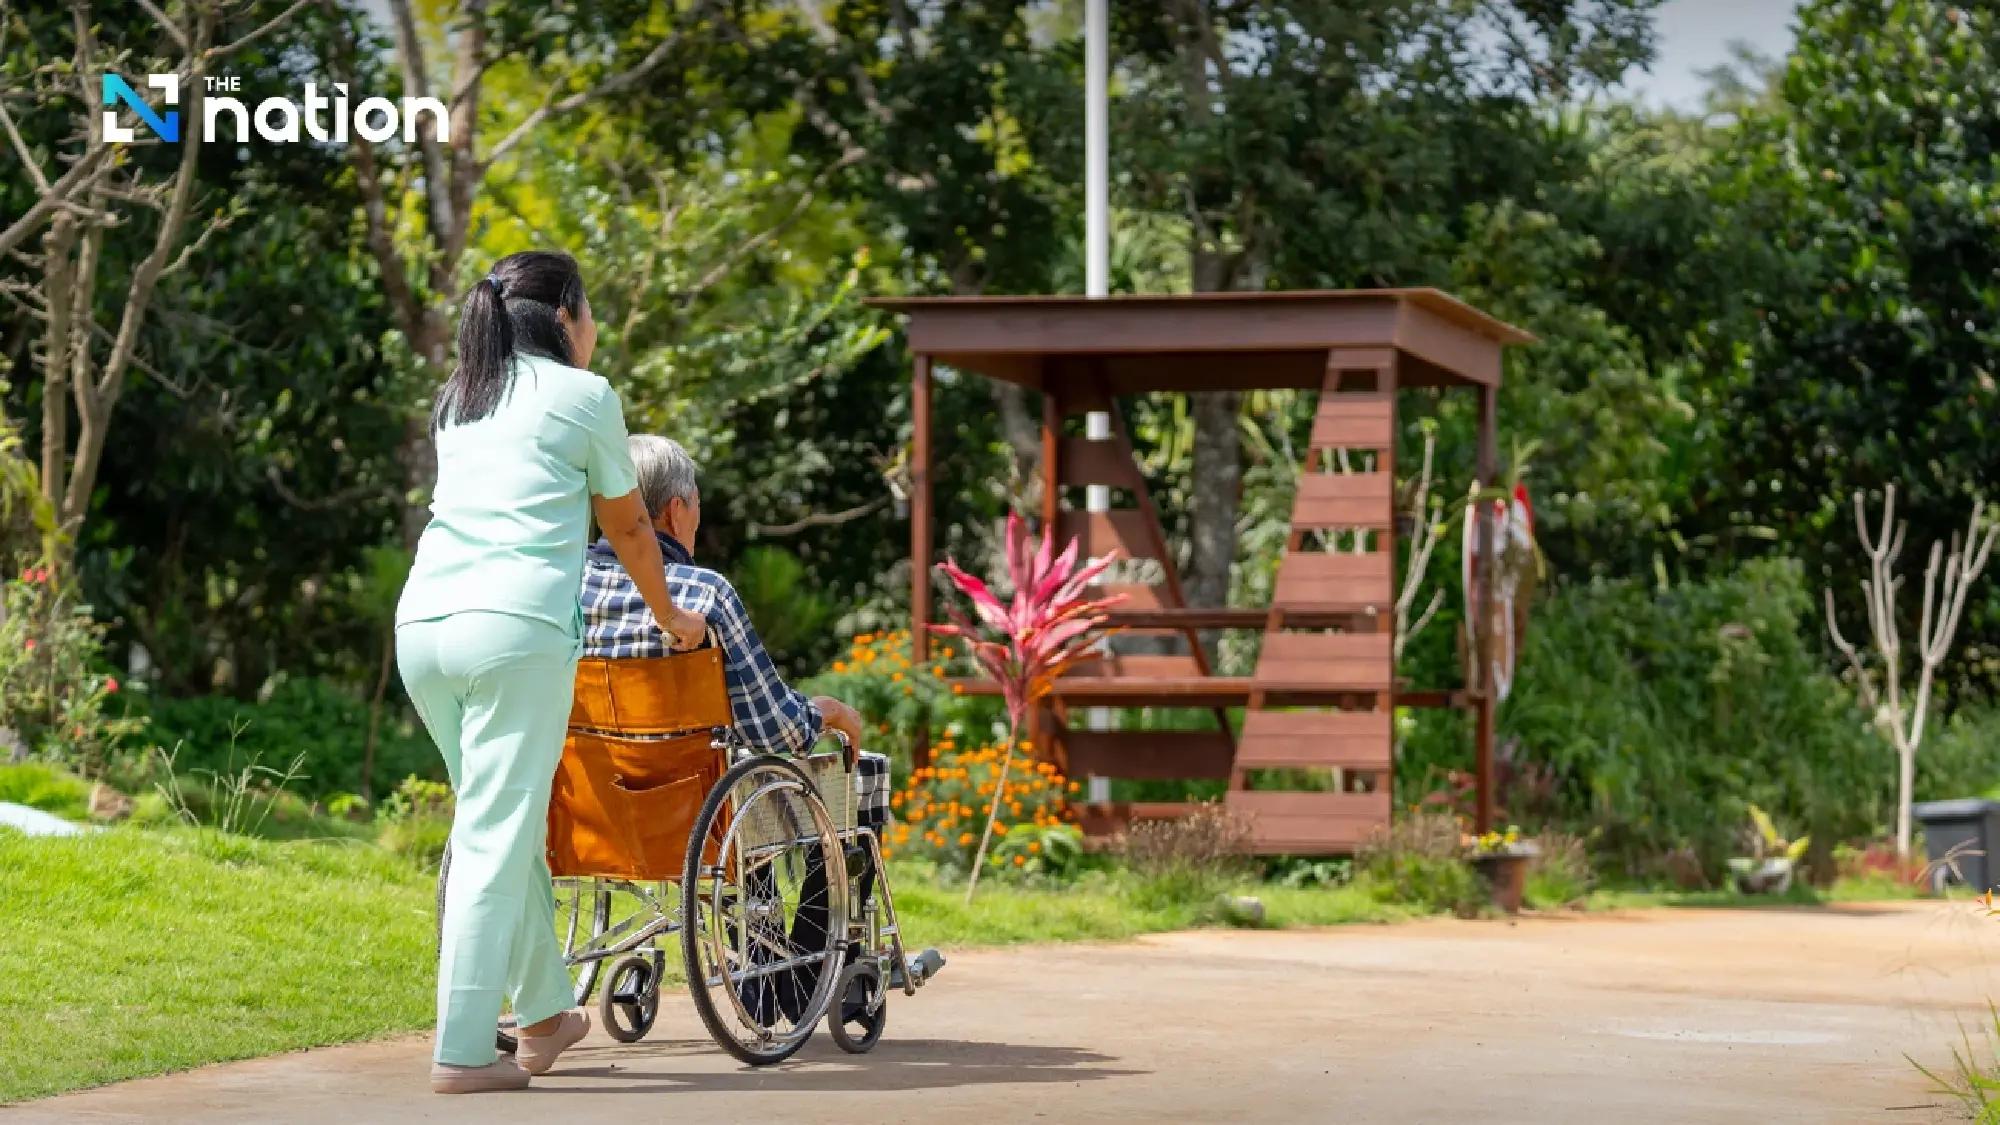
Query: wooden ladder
[[1330, 581]]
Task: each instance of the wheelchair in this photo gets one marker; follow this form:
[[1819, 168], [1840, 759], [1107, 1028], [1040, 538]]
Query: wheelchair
[[677, 852]]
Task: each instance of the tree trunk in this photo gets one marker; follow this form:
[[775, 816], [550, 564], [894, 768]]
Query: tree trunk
[[1216, 479], [1906, 777]]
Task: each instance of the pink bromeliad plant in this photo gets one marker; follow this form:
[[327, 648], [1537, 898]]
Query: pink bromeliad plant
[[1026, 642]]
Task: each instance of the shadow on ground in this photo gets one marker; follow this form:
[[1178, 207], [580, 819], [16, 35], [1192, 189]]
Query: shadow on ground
[[894, 1065]]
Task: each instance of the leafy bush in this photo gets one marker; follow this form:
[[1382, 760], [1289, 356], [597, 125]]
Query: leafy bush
[[792, 616], [53, 684], [1419, 860], [313, 720], [39, 785], [1960, 757], [415, 820], [941, 810], [878, 678], [1647, 719]]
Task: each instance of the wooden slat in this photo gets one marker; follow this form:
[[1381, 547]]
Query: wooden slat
[[1340, 661], [1104, 818], [1310, 823], [1142, 665], [1084, 461], [1137, 595], [1147, 755], [1338, 500], [1123, 528], [1352, 740], [1309, 580], [1354, 421]]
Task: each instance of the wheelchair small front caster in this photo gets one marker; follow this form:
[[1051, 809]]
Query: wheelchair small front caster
[[631, 998], [854, 1026]]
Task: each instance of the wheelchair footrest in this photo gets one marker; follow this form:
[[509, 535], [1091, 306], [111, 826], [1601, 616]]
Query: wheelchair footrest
[[924, 966]]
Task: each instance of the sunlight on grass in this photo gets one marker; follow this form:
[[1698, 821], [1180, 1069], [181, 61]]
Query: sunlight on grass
[[139, 952]]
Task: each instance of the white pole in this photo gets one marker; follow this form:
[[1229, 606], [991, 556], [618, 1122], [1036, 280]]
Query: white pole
[[1097, 251]]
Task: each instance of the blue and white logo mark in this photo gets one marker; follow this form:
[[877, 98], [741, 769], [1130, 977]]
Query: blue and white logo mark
[[117, 91]]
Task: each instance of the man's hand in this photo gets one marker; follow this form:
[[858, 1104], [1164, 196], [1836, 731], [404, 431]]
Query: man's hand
[[686, 628], [838, 716]]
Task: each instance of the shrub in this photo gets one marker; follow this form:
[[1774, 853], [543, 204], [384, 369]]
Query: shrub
[[1419, 860], [53, 684], [1559, 874], [1646, 719], [940, 812], [415, 820], [877, 677], [308, 718], [1186, 860], [39, 785]]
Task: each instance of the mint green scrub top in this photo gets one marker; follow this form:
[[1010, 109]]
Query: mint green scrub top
[[510, 518]]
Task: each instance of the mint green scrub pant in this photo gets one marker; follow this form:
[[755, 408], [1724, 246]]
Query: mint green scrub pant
[[494, 690]]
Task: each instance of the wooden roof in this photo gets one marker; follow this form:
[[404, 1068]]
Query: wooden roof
[[1206, 341]]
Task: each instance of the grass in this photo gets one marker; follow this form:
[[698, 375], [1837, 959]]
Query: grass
[[133, 952]]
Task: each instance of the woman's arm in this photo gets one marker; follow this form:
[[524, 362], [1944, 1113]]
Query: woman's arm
[[624, 522]]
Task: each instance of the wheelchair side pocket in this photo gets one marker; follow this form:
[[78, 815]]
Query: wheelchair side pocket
[[657, 820]]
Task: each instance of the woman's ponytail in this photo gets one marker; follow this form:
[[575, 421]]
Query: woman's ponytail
[[509, 312]]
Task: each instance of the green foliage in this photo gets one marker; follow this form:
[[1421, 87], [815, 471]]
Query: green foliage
[[54, 692], [791, 616], [876, 677], [39, 785], [1559, 873], [312, 719], [1960, 757], [415, 820], [1419, 861], [1645, 719]]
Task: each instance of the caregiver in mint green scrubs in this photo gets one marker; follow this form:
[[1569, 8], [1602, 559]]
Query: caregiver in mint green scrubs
[[529, 446]]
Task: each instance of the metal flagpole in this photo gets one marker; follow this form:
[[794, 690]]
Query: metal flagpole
[[1097, 250]]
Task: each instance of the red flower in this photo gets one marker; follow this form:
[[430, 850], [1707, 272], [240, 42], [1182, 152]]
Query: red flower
[[111, 684], [31, 644]]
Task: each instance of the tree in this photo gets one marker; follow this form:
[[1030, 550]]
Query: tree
[[83, 363], [419, 200], [1947, 578], [1873, 360]]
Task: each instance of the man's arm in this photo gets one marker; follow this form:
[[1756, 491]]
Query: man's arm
[[770, 714]]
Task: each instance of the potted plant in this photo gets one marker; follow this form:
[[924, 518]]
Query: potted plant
[[1502, 859], [1772, 862]]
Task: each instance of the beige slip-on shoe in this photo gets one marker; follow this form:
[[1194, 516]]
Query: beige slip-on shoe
[[537, 1053], [500, 1074]]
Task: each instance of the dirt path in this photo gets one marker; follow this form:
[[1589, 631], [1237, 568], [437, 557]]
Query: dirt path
[[1697, 1016]]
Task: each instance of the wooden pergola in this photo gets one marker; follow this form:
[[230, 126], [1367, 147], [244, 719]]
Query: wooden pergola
[[1323, 693]]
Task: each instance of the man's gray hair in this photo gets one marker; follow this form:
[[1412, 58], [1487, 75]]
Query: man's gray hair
[[665, 471]]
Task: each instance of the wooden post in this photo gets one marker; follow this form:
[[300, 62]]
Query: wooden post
[[1482, 629], [920, 535]]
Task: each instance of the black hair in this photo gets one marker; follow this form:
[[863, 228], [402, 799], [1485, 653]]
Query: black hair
[[509, 312]]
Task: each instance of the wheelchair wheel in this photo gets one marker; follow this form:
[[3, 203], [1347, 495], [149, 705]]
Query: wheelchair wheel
[[861, 1010], [763, 910], [576, 901], [631, 998]]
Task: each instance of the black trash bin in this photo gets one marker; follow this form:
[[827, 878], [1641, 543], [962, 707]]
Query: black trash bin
[[1959, 840]]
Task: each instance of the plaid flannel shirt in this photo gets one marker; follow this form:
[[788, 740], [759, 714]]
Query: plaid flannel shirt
[[769, 714]]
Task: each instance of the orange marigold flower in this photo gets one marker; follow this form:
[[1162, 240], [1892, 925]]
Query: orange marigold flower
[[1020, 861], [964, 838], [1034, 847], [999, 829], [958, 689]]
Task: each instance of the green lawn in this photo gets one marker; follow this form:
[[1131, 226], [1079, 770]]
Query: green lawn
[[133, 952]]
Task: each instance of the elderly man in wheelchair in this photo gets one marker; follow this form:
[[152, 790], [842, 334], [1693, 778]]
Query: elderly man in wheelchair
[[696, 769]]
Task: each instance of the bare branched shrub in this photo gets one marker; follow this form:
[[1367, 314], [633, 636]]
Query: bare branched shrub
[[1210, 839], [1189, 860]]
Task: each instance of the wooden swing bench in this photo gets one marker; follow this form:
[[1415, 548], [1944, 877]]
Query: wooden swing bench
[[1323, 693]]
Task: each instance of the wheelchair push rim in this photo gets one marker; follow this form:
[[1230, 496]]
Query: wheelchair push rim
[[764, 910]]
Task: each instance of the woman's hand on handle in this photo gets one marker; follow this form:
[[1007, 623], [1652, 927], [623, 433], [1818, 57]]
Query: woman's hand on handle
[[630, 530]]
